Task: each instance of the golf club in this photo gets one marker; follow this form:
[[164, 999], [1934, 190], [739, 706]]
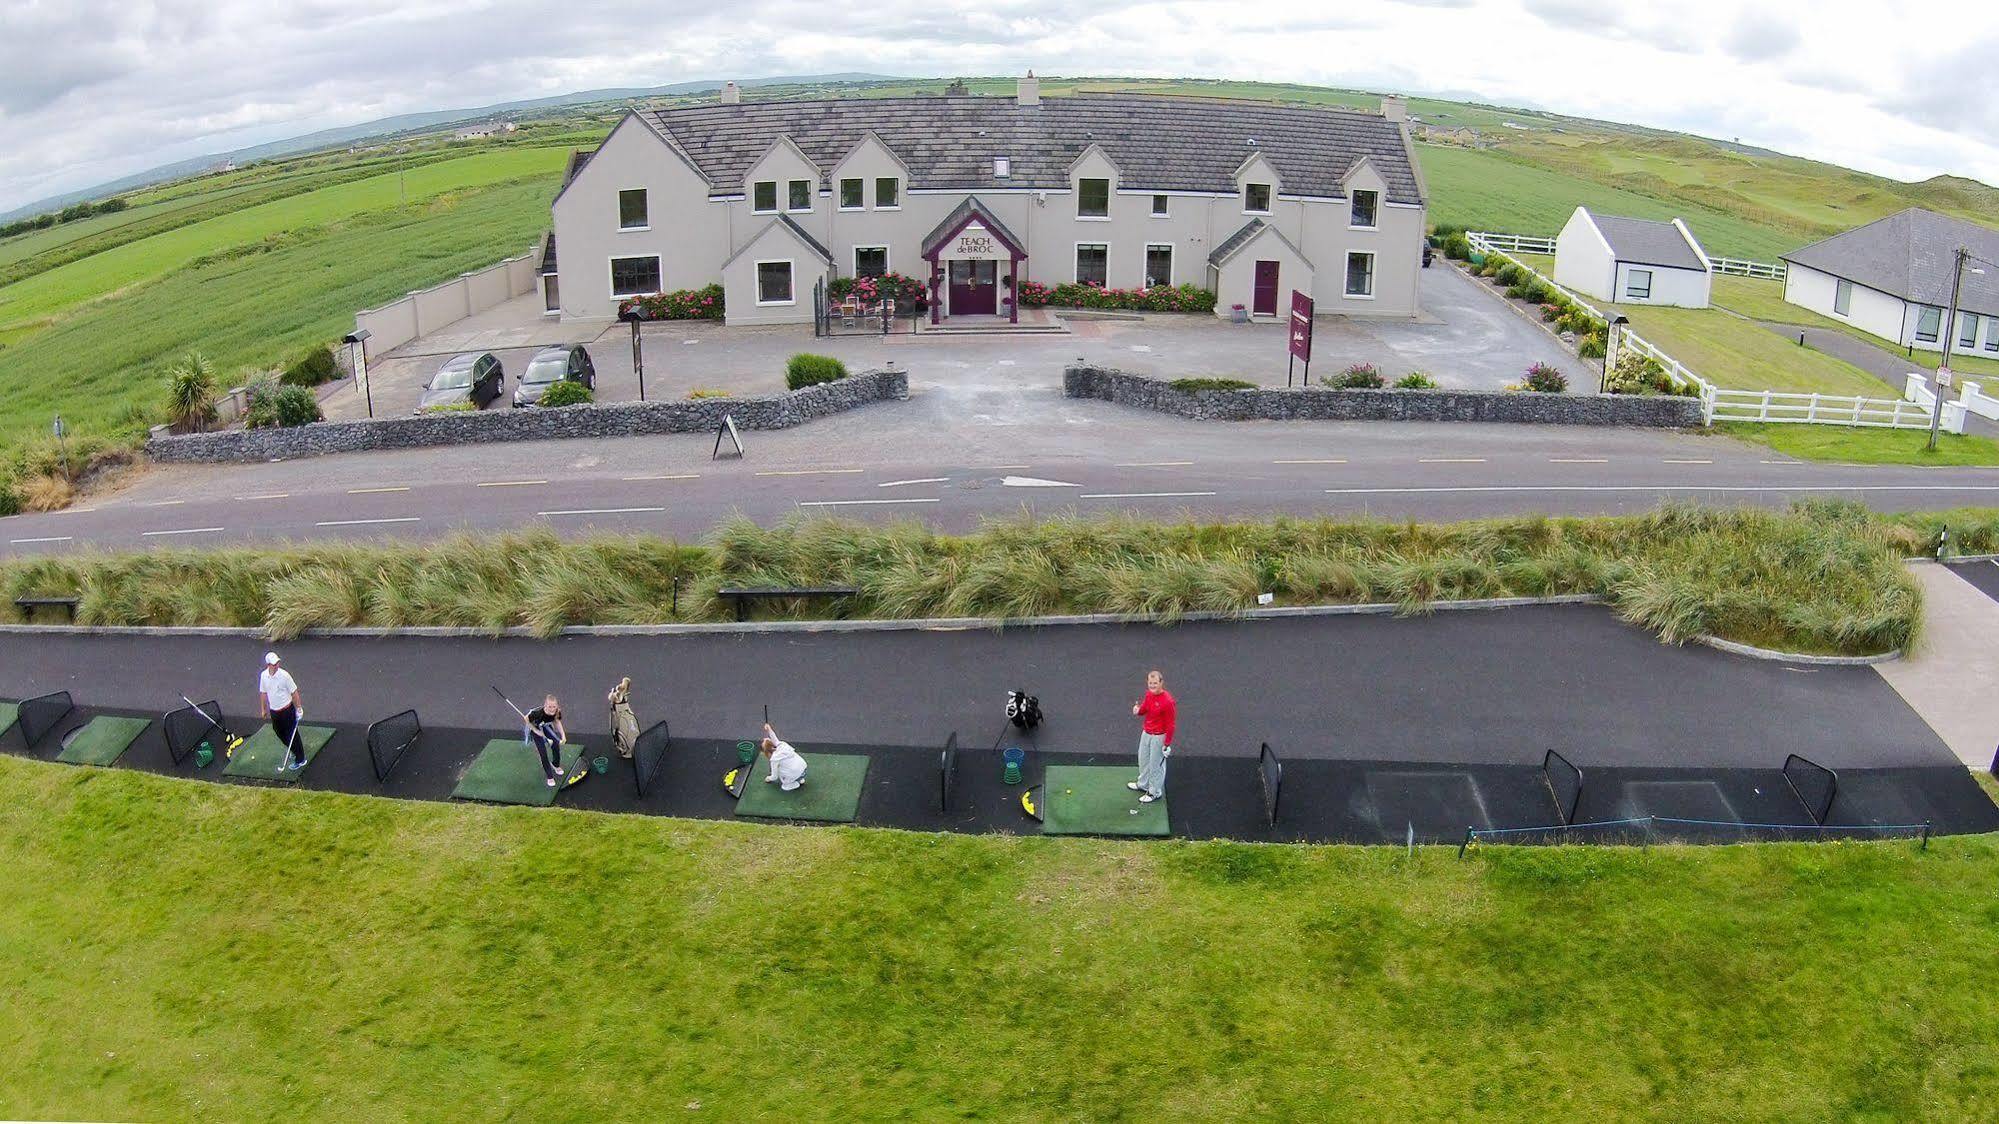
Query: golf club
[[229, 739]]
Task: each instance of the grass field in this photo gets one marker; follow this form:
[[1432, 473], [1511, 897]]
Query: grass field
[[180, 950], [1867, 446], [1764, 300]]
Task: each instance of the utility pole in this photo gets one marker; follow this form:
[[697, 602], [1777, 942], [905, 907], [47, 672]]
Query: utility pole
[[1949, 335]]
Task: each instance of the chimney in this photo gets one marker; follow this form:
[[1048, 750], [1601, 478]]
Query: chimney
[[1395, 107], [732, 94], [1029, 92]]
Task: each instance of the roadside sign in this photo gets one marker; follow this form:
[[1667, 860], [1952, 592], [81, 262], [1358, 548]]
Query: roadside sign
[[1300, 344], [1945, 376], [59, 426]]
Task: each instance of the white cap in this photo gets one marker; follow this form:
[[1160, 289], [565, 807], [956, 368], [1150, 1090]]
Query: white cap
[[270, 657]]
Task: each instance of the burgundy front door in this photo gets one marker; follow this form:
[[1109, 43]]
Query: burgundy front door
[[1264, 302], [975, 288]]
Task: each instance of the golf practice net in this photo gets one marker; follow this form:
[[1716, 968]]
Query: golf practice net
[[188, 727], [1814, 785], [389, 739], [947, 771], [1270, 777], [42, 714], [649, 756], [1565, 784]]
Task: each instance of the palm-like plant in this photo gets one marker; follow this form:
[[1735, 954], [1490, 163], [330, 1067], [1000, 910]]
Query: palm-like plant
[[191, 392]]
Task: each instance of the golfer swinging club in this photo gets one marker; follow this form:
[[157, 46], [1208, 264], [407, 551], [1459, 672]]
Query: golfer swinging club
[[546, 735], [1155, 740], [787, 765], [277, 697]]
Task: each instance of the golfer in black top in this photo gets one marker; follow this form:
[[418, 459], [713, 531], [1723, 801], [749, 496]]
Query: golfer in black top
[[546, 735]]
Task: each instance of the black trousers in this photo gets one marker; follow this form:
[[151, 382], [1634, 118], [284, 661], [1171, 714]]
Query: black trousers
[[546, 748], [284, 723]]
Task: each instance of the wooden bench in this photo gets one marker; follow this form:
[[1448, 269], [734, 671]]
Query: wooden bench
[[28, 605], [743, 595]]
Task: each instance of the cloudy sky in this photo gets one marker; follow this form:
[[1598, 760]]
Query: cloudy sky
[[95, 89]]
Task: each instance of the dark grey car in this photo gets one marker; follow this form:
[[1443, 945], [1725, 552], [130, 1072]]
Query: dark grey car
[[562, 362], [474, 377]]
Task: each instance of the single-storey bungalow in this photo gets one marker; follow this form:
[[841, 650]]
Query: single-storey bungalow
[[1632, 261], [1892, 278], [975, 195]]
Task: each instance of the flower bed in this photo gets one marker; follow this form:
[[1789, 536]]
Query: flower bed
[[868, 290], [682, 304], [1159, 298]]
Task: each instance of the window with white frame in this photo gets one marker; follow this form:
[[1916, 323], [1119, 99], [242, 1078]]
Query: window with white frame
[[1638, 285], [1002, 167], [1093, 198], [870, 261], [850, 194], [1992, 333], [763, 197], [1159, 206], [632, 209], [1842, 297], [636, 276], [1158, 264], [1093, 263], [1256, 198], [1929, 323], [801, 196], [888, 193], [774, 282], [1360, 274], [1365, 209], [1967, 329]]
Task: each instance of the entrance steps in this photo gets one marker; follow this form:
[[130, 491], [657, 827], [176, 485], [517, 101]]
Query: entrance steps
[[990, 328]]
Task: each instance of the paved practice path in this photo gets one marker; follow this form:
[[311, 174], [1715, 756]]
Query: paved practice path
[[1952, 677]]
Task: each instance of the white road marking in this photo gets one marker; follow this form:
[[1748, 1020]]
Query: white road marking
[[363, 522], [1034, 482], [925, 480], [1141, 347], [182, 531], [1681, 488], [1578, 460], [1671, 460], [1780, 462], [370, 491], [1012, 467], [1327, 460], [1139, 495], [1154, 464], [809, 472], [166, 503], [857, 503], [267, 496], [508, 483], [73, 511], [45, 538], [669, 476], [1450, 460], [601, 511]]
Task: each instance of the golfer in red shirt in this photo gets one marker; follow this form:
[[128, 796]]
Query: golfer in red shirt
[[1155, 741]]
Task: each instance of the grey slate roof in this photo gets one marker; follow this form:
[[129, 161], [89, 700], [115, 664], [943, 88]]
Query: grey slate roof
[[1246, 234], [577, 158], [797, 232], [1645, 242], [970, 208], [1158, 142], [1910, 255]]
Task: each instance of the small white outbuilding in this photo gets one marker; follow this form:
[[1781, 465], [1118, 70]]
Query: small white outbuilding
[[1633, 261]]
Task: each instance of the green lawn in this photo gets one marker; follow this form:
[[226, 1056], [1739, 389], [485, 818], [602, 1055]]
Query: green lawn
[[181, 950], [1764, 300], [252, 308], [1866, 446]]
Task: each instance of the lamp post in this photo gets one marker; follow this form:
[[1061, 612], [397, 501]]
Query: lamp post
[[631, 315], [1949, 334], [357, 343], [1610, 348]]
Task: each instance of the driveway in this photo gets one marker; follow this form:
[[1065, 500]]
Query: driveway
[[1466, 338]]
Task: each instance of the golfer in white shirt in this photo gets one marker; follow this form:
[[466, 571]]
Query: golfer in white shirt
[[787, 765], [277, 696]]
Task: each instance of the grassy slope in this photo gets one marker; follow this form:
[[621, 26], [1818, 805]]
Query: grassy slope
[[253, 308], [1764, 300], [60, 289], [176, 950], [1867, 446]]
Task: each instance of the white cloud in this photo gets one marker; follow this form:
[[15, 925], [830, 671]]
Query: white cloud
[[94, 89]]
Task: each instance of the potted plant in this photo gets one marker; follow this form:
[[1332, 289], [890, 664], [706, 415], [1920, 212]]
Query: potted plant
[[1239, 313]]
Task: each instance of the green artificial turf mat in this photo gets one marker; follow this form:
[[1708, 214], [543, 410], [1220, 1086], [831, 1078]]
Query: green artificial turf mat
[[1093, 800], [104, 740], [831, 792], [9, 712], [508, 771], [262, 757]]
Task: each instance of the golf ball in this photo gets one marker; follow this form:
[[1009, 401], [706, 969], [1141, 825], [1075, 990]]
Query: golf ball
[[1068, 792]]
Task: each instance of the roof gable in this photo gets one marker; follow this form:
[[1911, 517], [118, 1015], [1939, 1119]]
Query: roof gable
[[631, 128], [869, 143], [1249, 234], [964, 215], [783, 227]]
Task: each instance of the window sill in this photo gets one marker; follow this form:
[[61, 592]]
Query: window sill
[[776, 304], [1376, 226], [633, 229], [1158, 215], [1247, 211], [1093, 218], [754, 211], [844, 210], [1358, 296], [897, 207]]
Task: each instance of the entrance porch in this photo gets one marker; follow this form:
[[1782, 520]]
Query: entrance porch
[[975, 264]]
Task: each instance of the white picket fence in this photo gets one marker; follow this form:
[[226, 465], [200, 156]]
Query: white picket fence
[[1721, 404], [1512, 243], [1768, 270], [1978, 402]]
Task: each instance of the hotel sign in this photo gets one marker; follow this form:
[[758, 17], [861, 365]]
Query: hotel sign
[[976, 242]]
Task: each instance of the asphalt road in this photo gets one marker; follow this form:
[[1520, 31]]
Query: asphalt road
[[1470, 687], [960, 451]]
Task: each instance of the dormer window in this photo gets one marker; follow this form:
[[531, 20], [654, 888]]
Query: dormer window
[[1365, 207], [1002, 167], [1093, 198], [1256, 198], [801, 195], [763, 197]]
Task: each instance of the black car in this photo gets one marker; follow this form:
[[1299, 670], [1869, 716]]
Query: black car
[[472, 377], [562, 362]]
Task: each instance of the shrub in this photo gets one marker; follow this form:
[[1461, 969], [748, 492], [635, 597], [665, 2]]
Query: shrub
[[1360, 376], [47, 492], [1536, 291], [1492, 265], [1445, 231], [1509, 274], [1592, 346], [1517, 292], [1457, 247], [1191, 385], [191, 392], [701, 392], [10, 500], [1546, 379], [312, 368], [682, 304], [1415, 380], [275, 405], [464, 407], [806, 369], [1550, 313], [871, 290], [568, 392], [1159, 298], [1638, 374]]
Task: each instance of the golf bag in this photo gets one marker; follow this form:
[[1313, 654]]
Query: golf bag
[[1023, 710]]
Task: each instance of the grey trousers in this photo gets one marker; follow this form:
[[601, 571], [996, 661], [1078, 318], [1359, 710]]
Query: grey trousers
[[1152, 763]]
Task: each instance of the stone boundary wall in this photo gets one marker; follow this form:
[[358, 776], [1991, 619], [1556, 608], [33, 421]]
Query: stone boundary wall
[[425, 311], [1321, 404], [611, 419]]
